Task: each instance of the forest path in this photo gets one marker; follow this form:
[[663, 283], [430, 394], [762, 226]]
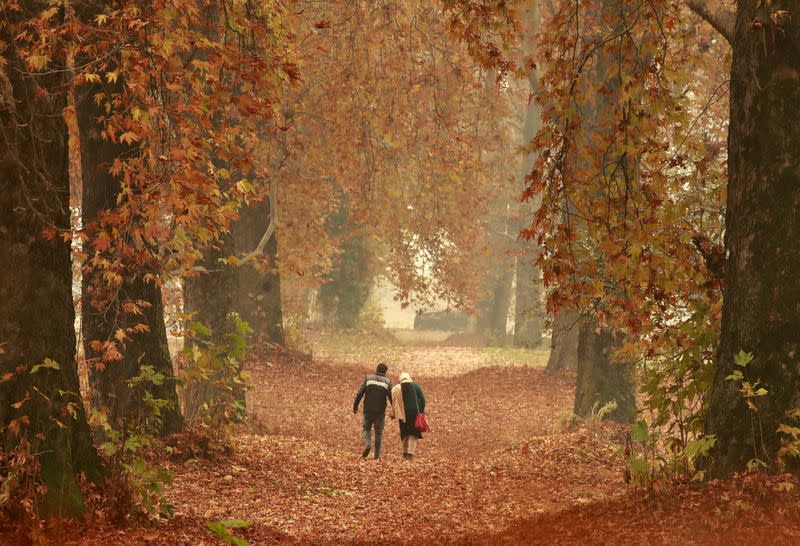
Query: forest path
[[501, 465], [495, 453]]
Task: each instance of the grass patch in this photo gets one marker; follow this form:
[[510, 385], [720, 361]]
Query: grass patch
[[516, 356]]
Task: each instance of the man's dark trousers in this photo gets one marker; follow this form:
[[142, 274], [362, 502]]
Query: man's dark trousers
[[377, 420]]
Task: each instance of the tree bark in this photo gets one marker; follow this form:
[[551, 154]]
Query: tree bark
[[102, 315], [717, 14], [601, 381], [564, 342], [761, 310], [36, 308], [493, 317], [211, 298], [259, 292]]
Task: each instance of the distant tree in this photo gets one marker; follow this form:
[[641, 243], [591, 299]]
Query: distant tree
[[259, 281], [529, 311], [346, 291]]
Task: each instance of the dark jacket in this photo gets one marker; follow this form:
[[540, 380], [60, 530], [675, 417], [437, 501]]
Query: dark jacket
[[376, 391], [414, 403]]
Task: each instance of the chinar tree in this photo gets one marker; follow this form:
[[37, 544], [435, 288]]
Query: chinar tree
[[761, 313], [41, 412]]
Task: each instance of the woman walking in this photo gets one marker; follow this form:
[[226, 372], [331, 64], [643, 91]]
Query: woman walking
[[407, 401]]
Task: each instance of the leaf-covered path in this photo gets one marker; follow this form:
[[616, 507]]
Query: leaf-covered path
[[501, 465]]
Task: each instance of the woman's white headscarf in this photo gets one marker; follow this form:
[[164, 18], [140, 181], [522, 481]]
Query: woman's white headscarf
[[405, 377]]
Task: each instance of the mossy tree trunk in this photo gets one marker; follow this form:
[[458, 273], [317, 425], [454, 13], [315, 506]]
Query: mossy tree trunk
[[36, 309], [761, 310], [102, 314]]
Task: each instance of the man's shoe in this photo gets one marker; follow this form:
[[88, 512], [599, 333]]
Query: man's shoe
[[365, 452], [406, 456]]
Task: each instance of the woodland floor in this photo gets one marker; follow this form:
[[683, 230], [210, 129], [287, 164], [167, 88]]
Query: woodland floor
[[503, 464]]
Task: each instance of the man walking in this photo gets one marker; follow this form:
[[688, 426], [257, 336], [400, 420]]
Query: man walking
[[376, 390]]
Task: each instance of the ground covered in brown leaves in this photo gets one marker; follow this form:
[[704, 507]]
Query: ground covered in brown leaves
[[503, 464]]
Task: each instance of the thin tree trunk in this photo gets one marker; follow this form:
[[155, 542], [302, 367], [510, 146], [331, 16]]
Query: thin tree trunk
[[529, 309], [493, 317], [501, 303], [601, 381], [761, 310], [259, 292], [102, 314], [36, 308]]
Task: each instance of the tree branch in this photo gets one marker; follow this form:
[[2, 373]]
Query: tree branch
[[715, 13]]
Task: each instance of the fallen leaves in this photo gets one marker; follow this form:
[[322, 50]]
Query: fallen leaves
[[497, 469]]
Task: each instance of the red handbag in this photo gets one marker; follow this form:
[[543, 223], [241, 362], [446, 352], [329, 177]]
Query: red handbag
[[421, 422]]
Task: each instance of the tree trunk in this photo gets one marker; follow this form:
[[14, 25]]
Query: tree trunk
[[564, 342], [761, 310], [501, 303], [601, 381], [529, 309], [493, 310], [36, 308], [103, 316], [354, 282], [259, 292], [346, 292], [211, 298]]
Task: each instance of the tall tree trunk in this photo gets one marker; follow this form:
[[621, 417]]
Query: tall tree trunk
[[259, 292], [102, 314], [353, 282], [761, 310], [600, 381], [564, 342], [529, 309], [36, 308]]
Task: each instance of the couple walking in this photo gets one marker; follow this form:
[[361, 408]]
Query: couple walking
[[406, 400]]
